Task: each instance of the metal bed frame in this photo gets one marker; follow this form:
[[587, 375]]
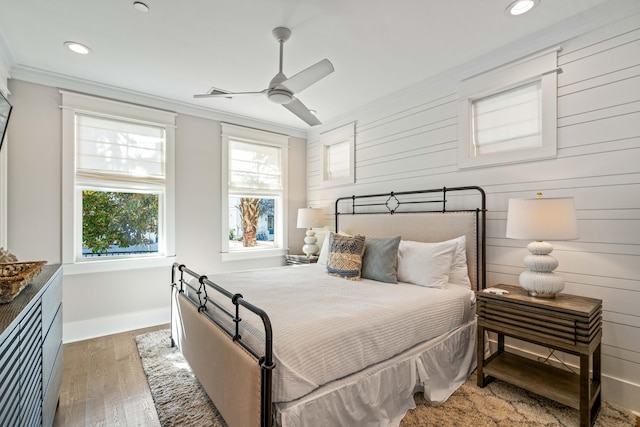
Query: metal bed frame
[[392, 204]]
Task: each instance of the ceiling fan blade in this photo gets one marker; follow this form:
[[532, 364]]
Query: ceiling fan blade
[[300, 110], [308, 76], [219, 93]]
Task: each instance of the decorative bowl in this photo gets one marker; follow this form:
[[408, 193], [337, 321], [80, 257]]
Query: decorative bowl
[[14, 276]]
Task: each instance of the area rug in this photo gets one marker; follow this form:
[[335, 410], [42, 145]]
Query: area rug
[[181, 401]]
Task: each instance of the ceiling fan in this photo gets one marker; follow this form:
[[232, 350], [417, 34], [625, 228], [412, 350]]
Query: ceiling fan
[[282, 90]]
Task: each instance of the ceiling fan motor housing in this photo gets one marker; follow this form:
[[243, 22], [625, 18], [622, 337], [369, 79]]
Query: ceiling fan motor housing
[[279, 96]]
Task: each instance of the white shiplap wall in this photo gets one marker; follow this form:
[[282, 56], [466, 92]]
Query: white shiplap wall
[[409, 142]]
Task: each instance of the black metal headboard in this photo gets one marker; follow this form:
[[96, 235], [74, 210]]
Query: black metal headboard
[[440, 200]]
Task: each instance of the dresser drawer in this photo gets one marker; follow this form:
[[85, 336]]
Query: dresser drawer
[[10, 375], [52, 392], [50, 348], [51, 300]]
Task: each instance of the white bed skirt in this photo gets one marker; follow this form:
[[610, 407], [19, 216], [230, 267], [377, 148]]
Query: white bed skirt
[[437, 368]]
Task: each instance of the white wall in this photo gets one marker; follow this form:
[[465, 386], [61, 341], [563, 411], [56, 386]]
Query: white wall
[[104, 303], [409, 141]]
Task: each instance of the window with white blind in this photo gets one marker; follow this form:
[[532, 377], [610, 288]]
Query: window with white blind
[[338, 162], [508, 115], [118, 167], [510, 120], [254, 192]]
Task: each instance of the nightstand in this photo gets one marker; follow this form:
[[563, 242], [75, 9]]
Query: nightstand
[[567, 323], [301, 259]]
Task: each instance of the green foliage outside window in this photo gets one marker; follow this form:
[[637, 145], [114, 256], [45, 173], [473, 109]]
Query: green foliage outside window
[[118, 219]]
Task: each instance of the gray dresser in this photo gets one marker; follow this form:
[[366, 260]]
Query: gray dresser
[[31, 352]]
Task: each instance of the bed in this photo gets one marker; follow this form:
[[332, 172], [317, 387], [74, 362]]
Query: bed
[[309, 345]]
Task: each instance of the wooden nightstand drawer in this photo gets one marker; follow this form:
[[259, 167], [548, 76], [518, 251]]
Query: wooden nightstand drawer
[[567, 321]]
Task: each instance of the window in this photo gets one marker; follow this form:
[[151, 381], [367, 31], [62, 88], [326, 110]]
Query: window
[[509, 120], [338, 163], [118, 169], [254, 192], [508, 115]]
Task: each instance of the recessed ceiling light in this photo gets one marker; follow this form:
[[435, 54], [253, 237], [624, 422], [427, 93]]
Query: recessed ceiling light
[[140, 7], [78, 47], [519, 7], [314, 112]]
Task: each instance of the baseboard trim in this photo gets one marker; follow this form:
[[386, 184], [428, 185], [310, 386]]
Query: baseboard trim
[[92, 328]]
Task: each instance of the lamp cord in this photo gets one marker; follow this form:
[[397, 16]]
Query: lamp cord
[[552, 353]]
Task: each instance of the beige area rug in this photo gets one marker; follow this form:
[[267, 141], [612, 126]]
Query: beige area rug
[[181, 401]]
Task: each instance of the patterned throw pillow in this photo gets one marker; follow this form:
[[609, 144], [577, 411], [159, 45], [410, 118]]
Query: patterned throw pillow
[[345, 256]]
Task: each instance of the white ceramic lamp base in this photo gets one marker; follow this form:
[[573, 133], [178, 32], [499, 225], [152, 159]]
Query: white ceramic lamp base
[[310, 248], [540, 280]]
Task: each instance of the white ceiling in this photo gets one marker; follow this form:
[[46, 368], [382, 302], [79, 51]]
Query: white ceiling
[[180, 48]]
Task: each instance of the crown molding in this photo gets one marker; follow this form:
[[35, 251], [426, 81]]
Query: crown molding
[[47, 78]]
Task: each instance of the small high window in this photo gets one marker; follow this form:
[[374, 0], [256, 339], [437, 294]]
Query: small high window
[[509, 114], [338, 147]]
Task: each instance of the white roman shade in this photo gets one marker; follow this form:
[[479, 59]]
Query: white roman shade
[[115, 150], [338, 158], [254, 166], [509, 120]]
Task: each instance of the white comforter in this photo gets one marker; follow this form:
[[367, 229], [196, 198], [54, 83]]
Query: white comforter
[[325, 327]]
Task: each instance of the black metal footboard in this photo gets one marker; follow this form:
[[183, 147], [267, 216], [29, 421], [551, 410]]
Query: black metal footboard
[[182, 282]]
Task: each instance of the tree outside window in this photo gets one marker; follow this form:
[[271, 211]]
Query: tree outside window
[[119, 223]]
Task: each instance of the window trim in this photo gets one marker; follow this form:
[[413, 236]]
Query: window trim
[[73, 103], [3, 169], [252, 136], [345, 133], [541, 66]]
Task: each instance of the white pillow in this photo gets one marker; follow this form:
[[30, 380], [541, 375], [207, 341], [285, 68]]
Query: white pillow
[[425, 264], [459, 274], [323, 256], [324, 251]]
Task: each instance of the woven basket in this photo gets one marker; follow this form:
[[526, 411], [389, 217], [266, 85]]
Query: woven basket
[[14, 276]]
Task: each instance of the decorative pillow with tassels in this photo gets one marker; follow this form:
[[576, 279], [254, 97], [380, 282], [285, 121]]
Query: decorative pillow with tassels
[[345, 256]]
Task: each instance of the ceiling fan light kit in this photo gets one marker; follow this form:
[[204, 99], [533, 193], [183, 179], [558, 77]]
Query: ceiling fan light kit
[[281, 89]]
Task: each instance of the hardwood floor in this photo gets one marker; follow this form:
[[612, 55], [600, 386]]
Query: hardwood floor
[[103, 383]]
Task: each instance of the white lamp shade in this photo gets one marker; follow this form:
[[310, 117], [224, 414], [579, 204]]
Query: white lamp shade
[[309, 217], [542, 219]]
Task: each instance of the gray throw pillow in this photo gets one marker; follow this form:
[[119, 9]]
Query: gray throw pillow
[[380, 261]]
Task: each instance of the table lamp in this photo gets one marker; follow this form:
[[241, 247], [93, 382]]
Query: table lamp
[[309, 218], [541, 219]]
